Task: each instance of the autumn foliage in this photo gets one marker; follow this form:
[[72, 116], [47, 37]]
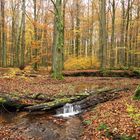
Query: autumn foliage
[[75, 63]]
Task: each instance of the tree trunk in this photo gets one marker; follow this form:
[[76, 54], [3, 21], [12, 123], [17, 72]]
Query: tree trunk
[[22, 57], [112, 57], [0, 36], [58, 42], [3, 40], [122, 49], [102, 34], [35, 66], [77, 40], [126, 34], [13, 35]]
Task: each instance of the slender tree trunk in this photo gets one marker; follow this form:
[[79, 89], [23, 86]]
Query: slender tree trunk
[[18, 43], [91, 34], [73, 31], [13, 36], [12, 42], [3, 40], [130, 38], [77, 40], [0, 35], [122, 50], [35, 66], [112, 58], [63, 13], [126, 34], [102, 34], [22, 56], [136, 56]]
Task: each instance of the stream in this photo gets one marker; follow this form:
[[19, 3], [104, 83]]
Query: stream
[[64, 125], [41, 126]]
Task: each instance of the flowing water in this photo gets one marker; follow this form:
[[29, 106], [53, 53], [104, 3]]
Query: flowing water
[[41, 126], [68, 110], [65, 125]]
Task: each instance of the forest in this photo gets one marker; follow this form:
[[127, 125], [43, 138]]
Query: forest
[[70, 69]]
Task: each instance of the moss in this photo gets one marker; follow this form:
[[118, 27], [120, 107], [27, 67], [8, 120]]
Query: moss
[[50, 104], [87, 122], [62, 100], [12, 106], [124, 137], [105, 72], [15, 96], [102, 126], [57, 75], [58, 101], [137, 94], [83, 94], [2, 100], [137, 72]]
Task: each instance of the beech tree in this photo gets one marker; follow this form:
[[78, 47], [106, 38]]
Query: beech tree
[[102, 34], [3, 35], [102, 30], [35, 33], [58, 40], [22, 56]]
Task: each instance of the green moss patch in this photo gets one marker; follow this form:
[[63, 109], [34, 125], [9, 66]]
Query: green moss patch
[[137, 93]]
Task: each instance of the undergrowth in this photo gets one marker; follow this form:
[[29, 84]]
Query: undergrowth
[[137, 94], [81, 63]]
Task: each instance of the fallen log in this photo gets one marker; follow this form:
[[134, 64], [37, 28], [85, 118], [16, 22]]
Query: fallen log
[[16, 102], [11, 104], [103, 73], [100, 97], [55, 104], [36, 102], [85, 101]]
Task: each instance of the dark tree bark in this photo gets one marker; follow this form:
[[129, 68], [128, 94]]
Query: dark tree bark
[[102, 34], [77, 40], [3, 34], [35, 34], [112, 58], [22, 56]]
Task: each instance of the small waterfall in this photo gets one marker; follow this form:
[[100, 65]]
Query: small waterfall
[[68, 110]]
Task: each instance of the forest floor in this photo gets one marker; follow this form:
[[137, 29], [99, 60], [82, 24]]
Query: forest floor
[[118, 119]]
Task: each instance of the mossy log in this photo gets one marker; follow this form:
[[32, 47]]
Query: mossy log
[[58, 102], [137, 93], [17, 102], [11, 104], [100, 97], [35, 102], [103, 73], [85, 100]]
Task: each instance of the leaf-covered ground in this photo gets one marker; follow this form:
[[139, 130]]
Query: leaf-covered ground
[[118, 118]]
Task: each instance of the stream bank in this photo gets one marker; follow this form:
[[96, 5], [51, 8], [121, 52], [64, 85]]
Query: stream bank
[[70, 86], [25, 126]]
